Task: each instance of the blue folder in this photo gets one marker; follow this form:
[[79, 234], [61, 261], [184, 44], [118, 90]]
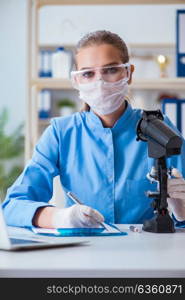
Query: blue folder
[[180, 43], [178, 112], [64, 232]]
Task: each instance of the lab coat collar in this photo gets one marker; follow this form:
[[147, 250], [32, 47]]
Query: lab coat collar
[[122, 122]]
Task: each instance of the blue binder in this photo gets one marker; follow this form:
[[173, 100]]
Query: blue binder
[[178, 112], [180, 43]]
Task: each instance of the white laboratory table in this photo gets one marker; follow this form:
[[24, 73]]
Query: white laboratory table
[[134, 255]]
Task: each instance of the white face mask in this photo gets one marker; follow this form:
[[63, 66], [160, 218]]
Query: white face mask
[[103, 97]]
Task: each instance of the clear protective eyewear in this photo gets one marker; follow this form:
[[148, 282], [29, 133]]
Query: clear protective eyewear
[[110, 73]]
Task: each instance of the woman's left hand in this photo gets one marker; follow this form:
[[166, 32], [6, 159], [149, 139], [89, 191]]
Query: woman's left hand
[[176, 191]]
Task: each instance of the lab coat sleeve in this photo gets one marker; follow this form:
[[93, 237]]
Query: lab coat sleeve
[[34, 187]]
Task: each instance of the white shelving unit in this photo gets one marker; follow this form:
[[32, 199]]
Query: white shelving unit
[[35, 84], [147, 84]]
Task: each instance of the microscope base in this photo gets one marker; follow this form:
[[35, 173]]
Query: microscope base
[[159, 224]]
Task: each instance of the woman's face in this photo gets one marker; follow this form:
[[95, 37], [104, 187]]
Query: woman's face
[[98, 56]]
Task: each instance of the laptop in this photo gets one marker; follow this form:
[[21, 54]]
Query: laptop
[[18, 243]]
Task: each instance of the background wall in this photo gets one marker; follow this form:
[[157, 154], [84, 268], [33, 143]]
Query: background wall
[[136, 24], [13, 59]]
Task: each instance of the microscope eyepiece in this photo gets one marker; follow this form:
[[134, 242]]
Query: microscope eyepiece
[[164, 140]]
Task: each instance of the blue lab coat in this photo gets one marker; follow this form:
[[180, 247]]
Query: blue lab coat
[[105, 168]]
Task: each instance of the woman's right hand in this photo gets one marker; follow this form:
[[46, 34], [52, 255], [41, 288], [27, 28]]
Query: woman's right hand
[[76, 216]]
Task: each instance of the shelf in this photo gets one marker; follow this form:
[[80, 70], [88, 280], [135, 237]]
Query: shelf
[[130, 45], [52, 83], [148, 84], [44, 122], [159, 84], [106, 2], [140, 50], [53, 47], [137, 50]]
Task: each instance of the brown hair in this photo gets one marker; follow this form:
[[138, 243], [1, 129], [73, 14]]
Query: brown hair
[[103, 37]]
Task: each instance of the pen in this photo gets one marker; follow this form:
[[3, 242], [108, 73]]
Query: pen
[[106, 226], [74, 198]]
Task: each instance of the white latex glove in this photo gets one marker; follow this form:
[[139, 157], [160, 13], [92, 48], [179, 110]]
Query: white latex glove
[[77, 216], [176, 191]]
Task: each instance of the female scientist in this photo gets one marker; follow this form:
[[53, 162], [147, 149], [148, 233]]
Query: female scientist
[[94, 152]]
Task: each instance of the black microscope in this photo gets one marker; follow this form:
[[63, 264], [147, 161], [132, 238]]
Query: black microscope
[[162, 142]]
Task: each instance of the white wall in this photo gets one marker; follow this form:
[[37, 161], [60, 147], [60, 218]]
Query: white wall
[[135, 23], [13, 59]]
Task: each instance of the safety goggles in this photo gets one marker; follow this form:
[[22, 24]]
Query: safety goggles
[[110, 73]]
